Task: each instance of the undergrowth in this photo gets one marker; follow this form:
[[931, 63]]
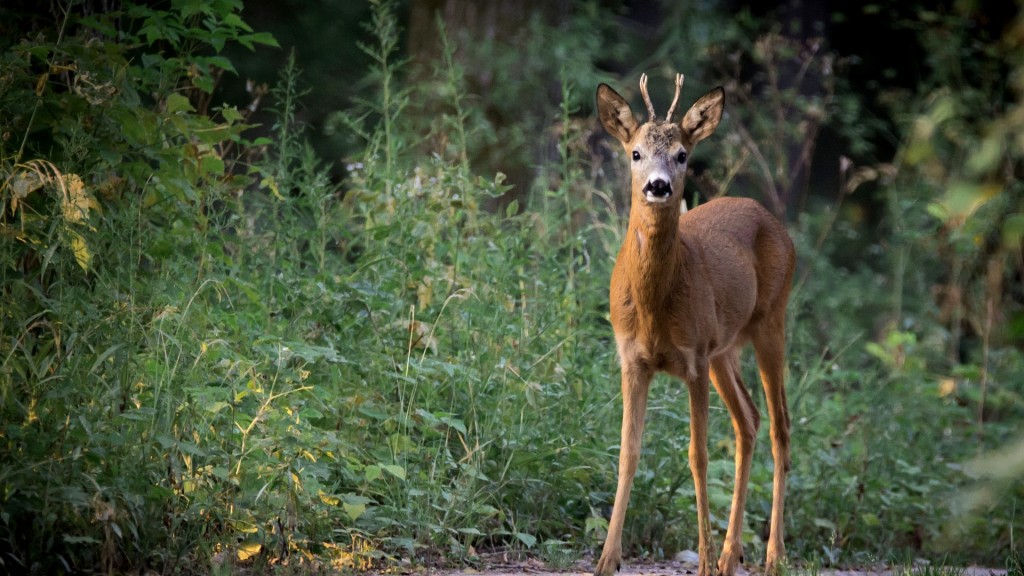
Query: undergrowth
[[215, 357]]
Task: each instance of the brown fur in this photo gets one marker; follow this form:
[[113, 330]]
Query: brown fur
[[687, 293]]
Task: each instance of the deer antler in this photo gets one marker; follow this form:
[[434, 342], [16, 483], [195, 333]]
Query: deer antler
[[647, 98], [672, 108]]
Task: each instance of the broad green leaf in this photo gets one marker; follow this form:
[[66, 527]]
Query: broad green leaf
[[372, 472], [178, 103], [231, 114], [395, 470], [529, 540], [204, 82], [354, 511], [212, 164], [235, 21]]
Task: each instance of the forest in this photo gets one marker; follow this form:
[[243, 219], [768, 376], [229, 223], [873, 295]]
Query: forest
[[295, 287]]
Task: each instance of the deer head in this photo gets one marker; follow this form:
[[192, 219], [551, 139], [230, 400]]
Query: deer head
[[659, 149]]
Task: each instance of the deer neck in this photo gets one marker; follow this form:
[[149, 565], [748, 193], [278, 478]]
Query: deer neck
[[653, 255]]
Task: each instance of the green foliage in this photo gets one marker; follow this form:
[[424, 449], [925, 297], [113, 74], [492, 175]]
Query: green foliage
[[216, 359]]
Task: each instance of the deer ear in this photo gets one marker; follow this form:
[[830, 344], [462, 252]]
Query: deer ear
[[702, 118], [615, 114]]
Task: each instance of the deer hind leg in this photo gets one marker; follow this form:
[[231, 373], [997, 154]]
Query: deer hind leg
[[636, 380], [725, 373], [769, 346]]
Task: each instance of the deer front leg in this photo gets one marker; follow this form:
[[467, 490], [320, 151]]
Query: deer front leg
[[699, 393], [636, 380]]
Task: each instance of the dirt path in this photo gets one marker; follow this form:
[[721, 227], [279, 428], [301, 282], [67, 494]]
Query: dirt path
[[538, 568]]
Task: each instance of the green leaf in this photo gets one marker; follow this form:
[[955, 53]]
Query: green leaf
[[217, 406], [69, 539], [354, 511], [823, 523], [190, 448], [372, 472], [395, 470], [212, 164], [235, 21], [219, 62], [178, 103], [204, 82], [231, 114], [265, 38], [528, 540]]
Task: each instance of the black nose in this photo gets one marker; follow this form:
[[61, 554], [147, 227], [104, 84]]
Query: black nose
[[658, 188]]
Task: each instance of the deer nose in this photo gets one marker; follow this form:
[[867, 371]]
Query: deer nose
[[658, 188]]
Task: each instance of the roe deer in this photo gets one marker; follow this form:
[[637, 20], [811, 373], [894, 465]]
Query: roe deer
[[687, 292]]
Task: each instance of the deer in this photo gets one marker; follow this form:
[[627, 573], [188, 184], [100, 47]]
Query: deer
[[689, 289]]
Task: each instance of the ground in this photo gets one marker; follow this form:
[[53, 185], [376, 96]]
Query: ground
[[532, 567]]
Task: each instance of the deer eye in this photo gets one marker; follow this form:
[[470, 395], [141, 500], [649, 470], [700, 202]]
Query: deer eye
[[636, 156], [681, 157]]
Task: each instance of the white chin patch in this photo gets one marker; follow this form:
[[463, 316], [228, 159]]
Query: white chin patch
[[651, 198]]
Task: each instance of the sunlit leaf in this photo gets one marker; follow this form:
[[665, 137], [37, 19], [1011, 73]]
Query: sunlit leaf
[[76, 201], [81, 251], [986, 156], [271, 183], [1006, 463], [354, 511], [963, 198], [247, 549]]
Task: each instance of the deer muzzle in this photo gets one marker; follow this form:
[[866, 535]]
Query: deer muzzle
[[658, 190]]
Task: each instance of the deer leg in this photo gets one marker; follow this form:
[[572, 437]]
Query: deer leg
[[699, 393], [636, 380], [769, 346], [725, 374]]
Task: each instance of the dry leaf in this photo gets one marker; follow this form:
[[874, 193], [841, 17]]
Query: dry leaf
[[76, 202]]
